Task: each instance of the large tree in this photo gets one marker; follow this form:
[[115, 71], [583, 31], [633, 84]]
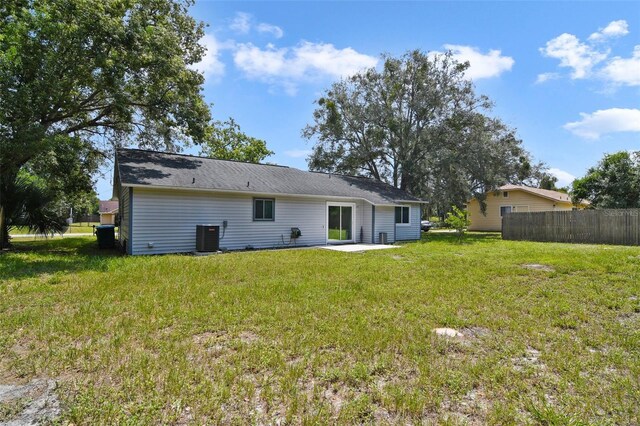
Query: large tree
[[613, 183], [228, 142], [419, 125], [94, 74]]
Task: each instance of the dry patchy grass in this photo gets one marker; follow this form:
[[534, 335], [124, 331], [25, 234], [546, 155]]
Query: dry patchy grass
[[316, 336]]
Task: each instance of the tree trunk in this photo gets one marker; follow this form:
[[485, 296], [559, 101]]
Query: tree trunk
[[4, 232], [4, 226]]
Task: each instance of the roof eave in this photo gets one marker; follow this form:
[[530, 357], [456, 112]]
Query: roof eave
[[272, 194], [528, 192]]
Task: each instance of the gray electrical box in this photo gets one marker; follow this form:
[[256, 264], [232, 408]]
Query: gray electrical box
[[382, 236], [207, 238]]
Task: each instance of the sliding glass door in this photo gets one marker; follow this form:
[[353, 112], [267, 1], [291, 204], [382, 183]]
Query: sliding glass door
[[340, 222]]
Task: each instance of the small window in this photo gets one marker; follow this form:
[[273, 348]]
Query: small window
[[505, 194], [402, 215], [263, 208], [504, 210]]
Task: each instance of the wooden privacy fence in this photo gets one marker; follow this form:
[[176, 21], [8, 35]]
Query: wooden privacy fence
[[87, 218], [609, 226]]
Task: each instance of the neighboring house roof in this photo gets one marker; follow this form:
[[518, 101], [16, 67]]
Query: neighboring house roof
[[108, 206], [165, 170], [544, 193]]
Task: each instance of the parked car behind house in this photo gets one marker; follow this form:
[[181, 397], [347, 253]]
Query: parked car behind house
[[425, 225]]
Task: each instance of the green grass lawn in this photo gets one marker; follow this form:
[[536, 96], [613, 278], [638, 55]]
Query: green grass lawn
[[75, 228], [317, 336]]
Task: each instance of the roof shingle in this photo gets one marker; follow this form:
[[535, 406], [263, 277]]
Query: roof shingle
[[159, 169], [546, 193], [108, 206]]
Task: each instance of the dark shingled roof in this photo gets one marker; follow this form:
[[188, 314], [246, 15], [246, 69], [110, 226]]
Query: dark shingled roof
[[108, 206], [160, 169]]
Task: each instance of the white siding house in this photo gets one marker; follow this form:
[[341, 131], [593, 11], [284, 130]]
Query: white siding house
[[407, 231], [161, 207]]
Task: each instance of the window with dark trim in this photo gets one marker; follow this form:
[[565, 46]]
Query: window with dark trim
[[402, 215], [504, 210], [264, 208]]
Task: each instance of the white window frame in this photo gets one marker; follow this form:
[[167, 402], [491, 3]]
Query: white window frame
[[253, 209], [353, 222], [505, 194], [394, 216]]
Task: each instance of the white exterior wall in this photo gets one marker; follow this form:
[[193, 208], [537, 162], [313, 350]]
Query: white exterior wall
[[411, 231], [385, 222], [168, 219], [366, 223]]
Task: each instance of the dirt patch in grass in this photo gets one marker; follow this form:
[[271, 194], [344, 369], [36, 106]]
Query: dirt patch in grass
[[631, 319], [402, 258], [209, 336], [475, 332], [471, 409], [248, 337], [538, 267], [216, 343], [529, 360]]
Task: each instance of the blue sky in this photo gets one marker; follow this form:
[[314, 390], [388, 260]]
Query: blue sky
[[566, 75]]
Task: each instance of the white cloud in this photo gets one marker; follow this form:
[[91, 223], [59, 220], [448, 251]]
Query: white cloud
[[488, 65], [256, 62], [298, 153], [590, 59], [210, 65], [544, 77], [241, 23], [614, 29], [270, 29], [306, 61], [574, 54], [244, 22], [564, 178], [624, 71], [601, 122]]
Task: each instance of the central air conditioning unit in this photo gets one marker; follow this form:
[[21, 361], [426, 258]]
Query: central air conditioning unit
[[207, 238]]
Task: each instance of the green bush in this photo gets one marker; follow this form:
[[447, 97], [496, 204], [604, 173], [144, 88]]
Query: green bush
[[458, 220]]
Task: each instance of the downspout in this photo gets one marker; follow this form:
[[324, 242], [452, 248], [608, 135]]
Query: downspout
[[373, 224]]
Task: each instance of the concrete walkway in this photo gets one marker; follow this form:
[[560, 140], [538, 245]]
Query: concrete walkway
[[350, 248]]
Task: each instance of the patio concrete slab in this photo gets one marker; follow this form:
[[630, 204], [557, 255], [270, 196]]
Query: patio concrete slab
[[350, 248]]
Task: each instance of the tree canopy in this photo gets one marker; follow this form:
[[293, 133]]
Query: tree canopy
[[228, 142], [419, 125], [613, 183], [79, 77]]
